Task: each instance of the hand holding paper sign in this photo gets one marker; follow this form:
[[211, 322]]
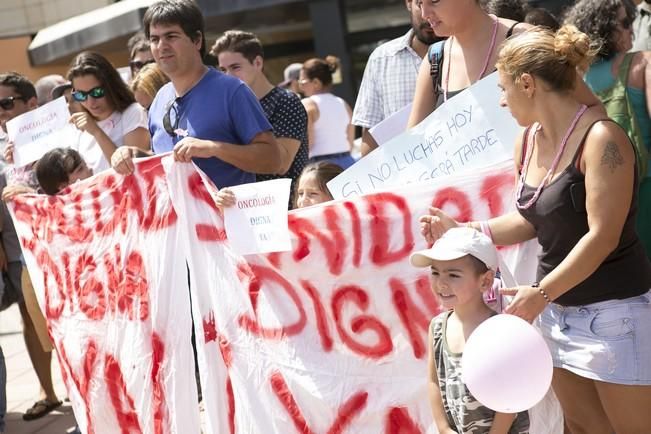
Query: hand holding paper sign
[[257, 223], [37, 131], [225, 198], [9, 152]]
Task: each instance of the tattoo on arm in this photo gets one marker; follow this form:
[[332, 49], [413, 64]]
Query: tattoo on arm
[[612, 157]]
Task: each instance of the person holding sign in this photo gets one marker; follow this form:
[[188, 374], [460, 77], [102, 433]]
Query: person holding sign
[[577, 195], [467, 56], [111, 116], [18, 96], [463, 264]]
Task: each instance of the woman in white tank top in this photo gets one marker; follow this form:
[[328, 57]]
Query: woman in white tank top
[[330, 133]]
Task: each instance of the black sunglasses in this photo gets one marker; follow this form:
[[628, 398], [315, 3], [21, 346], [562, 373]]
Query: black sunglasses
[[169, 125], [137, 64], [82, 95], [8, 102]]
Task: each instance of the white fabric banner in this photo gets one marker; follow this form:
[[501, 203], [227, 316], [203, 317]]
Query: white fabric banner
[[114, 290], [328, 337]]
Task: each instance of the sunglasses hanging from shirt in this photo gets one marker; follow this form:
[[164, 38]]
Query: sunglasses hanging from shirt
[[82, 95], [171, 119]]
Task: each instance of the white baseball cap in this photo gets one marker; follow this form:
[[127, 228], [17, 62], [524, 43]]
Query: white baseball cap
[[457, 243]]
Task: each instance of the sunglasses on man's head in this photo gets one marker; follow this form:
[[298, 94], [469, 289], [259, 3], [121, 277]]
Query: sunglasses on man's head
[[170, 125], [82, 95], [138, 64], [8, 102]]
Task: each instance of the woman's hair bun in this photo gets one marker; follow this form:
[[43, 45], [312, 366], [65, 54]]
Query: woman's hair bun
[[573, 45], [333, 63]]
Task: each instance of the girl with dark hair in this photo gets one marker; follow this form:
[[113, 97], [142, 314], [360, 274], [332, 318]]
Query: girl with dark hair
[[618, 71], [111, 116], [329, 129]]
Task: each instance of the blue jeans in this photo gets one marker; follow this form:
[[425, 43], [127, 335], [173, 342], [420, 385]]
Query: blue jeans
[[3, 391]]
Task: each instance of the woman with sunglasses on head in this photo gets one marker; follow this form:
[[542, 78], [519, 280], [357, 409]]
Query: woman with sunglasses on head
[[468, 55], [610, 21], [111, 116]]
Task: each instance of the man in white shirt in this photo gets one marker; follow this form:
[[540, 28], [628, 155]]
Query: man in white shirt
[[389, 79], [642, 27]]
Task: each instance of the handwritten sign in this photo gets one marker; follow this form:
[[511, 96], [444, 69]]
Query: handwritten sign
[[469, 131], [38, 131], [257, 223]]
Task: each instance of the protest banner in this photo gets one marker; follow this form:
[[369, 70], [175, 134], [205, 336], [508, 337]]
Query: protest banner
[[467, 132], [38, 131], [257, 223], [114, 292], [329, 337]]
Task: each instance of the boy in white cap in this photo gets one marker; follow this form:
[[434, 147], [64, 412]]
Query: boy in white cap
[[463, 264]]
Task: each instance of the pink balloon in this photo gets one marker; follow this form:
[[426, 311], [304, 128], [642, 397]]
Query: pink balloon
[[506, 364]]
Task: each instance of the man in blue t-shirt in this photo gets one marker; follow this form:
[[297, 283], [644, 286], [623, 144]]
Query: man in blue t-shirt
[[202, 115]]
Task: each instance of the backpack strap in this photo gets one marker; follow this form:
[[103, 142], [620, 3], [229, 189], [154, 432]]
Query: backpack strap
[[641, 152], [435, 57], [509, 32], [624, 68]]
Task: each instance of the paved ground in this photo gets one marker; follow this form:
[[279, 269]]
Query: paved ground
[[22, 384]]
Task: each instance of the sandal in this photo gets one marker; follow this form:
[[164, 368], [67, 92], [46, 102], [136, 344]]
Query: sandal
[[40, 409]]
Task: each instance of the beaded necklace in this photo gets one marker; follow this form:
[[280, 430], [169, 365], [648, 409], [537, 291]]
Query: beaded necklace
[[488, 57], [552, 169]]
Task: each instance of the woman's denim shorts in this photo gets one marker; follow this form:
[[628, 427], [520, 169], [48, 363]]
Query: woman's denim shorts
[[608, 341]]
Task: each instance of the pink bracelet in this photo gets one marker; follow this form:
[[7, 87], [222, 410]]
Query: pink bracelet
[[486, 229]]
